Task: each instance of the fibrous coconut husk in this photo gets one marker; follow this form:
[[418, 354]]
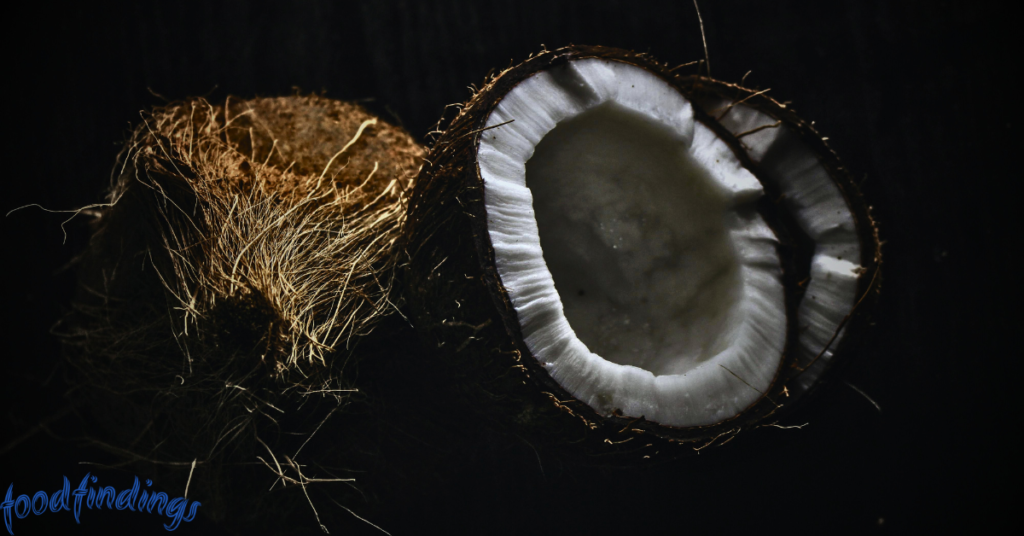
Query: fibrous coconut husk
[[244, 253]]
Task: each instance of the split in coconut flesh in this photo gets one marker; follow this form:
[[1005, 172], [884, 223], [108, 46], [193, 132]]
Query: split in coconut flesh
[[658, 290]]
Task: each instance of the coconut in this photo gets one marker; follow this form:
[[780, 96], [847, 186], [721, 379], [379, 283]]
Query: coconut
[[244, 257], [607, 250]]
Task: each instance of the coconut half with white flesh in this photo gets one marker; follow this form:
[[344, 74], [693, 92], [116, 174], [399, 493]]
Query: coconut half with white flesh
[[652, 253]]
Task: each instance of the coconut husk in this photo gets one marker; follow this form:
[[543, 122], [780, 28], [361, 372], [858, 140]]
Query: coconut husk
[[239, 267]]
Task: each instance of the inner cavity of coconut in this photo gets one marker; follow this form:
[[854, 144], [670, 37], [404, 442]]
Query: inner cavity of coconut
[[626, 237], [636, 236]]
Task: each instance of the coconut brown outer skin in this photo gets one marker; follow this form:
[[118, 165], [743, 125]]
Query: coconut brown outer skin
[[309, 130], [270, 151], [461, 307], [131, 381]]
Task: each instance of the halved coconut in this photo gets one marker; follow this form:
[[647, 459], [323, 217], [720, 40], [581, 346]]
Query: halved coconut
[[655, 269]]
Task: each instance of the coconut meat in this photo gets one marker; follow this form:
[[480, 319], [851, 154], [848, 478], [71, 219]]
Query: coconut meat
[[625, 234], [822, 212]]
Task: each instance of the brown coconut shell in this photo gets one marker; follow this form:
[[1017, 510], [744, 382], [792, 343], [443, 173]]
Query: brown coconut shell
[[461, 307]]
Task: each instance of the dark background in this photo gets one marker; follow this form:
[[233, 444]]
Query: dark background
[[914, 95]]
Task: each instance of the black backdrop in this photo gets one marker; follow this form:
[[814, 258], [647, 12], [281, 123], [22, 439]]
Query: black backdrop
[[914, 95]]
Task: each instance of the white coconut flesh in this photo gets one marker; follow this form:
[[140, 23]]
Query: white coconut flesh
[[823, 213], [625, 234]]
